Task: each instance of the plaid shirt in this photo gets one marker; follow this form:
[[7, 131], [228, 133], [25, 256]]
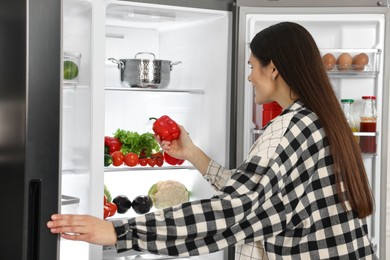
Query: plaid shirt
[[281, 198]]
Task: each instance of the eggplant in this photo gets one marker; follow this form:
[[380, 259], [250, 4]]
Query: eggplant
[[122, 203], [142, 204]]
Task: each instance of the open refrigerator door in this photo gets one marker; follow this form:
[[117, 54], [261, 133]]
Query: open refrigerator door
[[82, 120], [336, 31], [195, 44]]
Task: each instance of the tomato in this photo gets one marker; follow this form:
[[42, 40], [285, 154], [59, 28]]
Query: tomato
[[106, 212], [131, 159], [152, 162], [143, 161], [117, 158], [114, 146], [109, 139], [159, 161], [113, 208], [105, 199]]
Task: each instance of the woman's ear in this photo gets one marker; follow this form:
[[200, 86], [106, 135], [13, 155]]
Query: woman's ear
[[274, 73]]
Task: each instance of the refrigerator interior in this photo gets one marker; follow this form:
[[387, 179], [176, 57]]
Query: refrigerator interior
[[335, 33], [196, 97]]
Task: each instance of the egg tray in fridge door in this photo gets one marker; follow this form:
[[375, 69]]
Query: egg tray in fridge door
[[350, 61]]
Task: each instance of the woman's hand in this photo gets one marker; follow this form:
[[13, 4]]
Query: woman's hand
[[180, 148], [83, 228], [184, 148]]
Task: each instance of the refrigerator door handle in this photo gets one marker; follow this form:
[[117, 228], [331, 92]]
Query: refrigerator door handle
[[34, 210]]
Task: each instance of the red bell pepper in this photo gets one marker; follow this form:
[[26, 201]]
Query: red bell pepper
[[166, 128], [172, 160]]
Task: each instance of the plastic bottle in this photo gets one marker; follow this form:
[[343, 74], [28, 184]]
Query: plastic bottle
[[368, 124], [270, 111], [347, 105]]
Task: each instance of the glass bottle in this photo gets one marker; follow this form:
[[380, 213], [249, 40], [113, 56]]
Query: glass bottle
[[270, 111], [368, 125], [347, 105]]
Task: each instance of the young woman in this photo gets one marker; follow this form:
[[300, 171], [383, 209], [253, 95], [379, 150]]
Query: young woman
[[301, 193]]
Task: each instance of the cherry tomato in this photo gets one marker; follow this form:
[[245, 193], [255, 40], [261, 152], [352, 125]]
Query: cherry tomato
[[159, 161], [131, 159], [143, 161], [106, 212], [151, 162], [113, 208], [117, 158]]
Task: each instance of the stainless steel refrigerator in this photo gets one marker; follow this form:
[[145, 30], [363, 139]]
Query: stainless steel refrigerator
[[51, 129], [53, 124], [30, 51]]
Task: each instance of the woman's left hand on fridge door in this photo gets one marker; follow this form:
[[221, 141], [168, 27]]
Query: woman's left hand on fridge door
[[83, 228]]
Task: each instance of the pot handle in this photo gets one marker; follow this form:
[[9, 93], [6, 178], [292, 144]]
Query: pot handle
[[149, 53], [174, 63], [120, 64]]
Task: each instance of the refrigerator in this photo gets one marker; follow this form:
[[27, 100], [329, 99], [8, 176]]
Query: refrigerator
[[60, 95], [52, 125], [338, 27]]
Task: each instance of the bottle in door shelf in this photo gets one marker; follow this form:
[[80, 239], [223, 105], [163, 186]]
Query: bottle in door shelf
[[368, 125], [270, 111], [347, 105]]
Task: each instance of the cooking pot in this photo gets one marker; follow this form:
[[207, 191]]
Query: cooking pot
[[145, 73]]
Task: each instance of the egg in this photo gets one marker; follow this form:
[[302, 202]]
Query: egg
[[359, 61], [329, 61], [344, 61]]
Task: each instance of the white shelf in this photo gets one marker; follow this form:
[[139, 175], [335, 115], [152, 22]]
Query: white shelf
[[189, 91]]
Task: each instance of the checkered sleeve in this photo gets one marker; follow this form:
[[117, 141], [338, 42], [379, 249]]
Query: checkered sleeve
[[217, 175]]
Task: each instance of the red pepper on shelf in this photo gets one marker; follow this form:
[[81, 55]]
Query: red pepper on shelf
[[166, 128], [172, 160]]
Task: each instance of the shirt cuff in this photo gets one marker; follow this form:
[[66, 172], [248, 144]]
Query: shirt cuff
[[124, 235], [216, 175]]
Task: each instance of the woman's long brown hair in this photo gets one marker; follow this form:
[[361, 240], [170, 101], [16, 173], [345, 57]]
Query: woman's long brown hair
[[297, 58]]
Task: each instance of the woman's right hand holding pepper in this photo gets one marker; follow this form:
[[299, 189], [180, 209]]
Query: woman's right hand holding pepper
[[184, 148]]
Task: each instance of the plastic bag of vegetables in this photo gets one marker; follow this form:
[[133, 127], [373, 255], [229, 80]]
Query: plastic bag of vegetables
[[168, 193]]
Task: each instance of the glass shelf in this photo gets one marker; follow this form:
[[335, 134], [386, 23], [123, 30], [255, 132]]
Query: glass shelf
[[147, 168], [365, 133], [190, 91]]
